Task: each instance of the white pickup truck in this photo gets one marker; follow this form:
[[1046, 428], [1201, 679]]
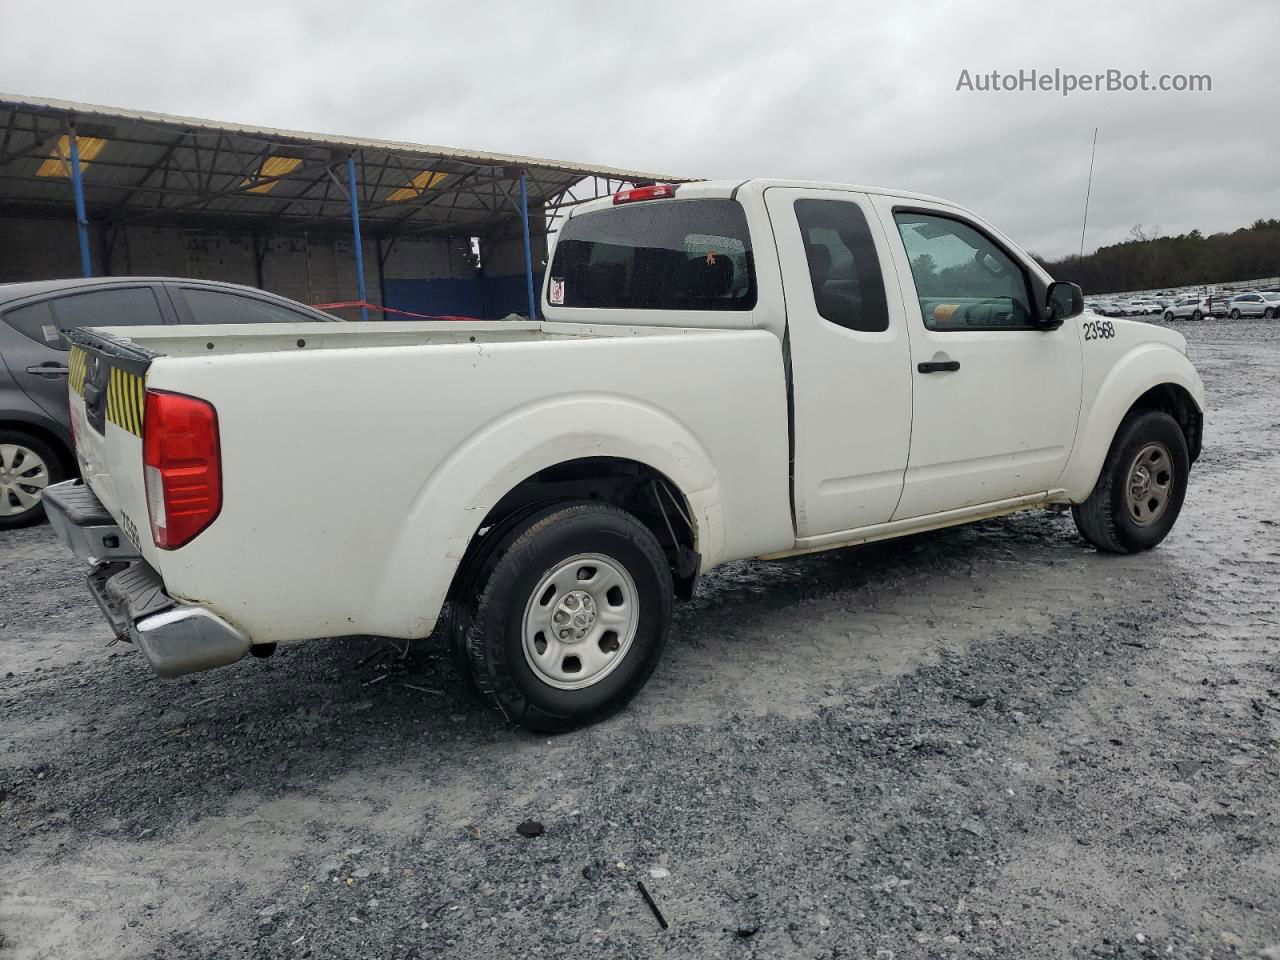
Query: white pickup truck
[[725, 370]]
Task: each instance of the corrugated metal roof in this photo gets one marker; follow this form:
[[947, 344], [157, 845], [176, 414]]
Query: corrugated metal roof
[[158, 167]]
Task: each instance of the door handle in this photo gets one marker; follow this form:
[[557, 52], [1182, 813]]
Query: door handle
[[938, 366], [48, 370]]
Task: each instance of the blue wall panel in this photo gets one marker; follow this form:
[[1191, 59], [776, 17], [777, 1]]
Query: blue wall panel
[[489, 298]]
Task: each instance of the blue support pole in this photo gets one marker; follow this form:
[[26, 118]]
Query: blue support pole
[[528, 250], [355, 232], [77, 189]]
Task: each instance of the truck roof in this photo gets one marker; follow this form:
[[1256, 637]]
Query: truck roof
[[732, 188]]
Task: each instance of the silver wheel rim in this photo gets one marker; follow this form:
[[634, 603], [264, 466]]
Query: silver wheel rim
[[23, 477], [1150, 484], [580, 621]]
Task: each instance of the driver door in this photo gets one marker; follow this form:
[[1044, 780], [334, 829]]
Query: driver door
[[996, 398]]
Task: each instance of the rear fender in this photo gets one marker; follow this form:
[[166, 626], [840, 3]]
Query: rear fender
[[471, 479]]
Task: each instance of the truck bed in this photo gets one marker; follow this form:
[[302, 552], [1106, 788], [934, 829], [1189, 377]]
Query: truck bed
[[197, 340], [361, 458]]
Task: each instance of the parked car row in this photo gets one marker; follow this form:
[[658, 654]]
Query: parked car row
[[35, 426], [1138, 307], [1265, 304], [1252, 303]]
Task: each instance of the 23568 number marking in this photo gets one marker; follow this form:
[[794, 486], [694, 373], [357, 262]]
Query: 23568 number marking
[[1099, 329]]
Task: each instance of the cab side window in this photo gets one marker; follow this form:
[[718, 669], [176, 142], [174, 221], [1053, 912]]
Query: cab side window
[[844, 270], [963, 279]]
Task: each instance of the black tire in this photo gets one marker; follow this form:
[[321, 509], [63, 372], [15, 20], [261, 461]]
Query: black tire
[[1104, 519], [53, 467], [490, 636], [459, 611], [1168, 316], [1197, 315], [1268, 314], [1235, 314]]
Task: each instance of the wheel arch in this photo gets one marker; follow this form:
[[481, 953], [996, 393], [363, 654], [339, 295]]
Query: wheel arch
[[640, 489], [1177, 401], [57, 441], [1156, 377], [577, 447]]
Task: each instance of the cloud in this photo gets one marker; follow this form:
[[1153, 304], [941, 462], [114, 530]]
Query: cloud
[[855, 92]]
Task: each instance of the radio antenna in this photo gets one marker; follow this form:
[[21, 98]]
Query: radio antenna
[[1087, 190]]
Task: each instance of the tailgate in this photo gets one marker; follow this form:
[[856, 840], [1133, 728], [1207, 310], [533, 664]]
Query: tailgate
[[106, 385]]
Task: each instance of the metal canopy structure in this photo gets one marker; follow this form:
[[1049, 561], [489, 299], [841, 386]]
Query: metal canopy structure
[[124, 167]]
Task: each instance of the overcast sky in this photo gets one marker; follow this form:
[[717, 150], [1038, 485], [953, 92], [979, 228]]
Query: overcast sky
[[857, 92]]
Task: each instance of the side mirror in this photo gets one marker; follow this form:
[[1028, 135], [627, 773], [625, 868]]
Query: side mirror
[[1063, 301]]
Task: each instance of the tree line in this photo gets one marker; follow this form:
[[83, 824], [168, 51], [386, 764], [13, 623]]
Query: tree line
[[1148, 261]]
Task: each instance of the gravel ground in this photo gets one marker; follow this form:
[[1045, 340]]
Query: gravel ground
[[990, 741]]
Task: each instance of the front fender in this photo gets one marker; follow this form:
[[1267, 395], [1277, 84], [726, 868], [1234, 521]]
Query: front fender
[[1137, 371], [497, 457]]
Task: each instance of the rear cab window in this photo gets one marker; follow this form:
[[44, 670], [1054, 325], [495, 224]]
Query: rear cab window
[[667, 254]]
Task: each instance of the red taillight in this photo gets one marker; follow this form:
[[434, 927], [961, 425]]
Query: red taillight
[[658, 191], [182, 467]]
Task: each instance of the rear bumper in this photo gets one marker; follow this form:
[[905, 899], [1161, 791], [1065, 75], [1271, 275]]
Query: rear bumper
[[84, 525], [176, 638]]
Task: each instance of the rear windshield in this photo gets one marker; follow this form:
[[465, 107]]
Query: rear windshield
[[656, 255]]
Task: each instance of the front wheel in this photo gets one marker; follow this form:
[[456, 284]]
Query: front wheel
[[572, 617], [1140, 490], [1235, 314], [1168, 316], [1268, 314]]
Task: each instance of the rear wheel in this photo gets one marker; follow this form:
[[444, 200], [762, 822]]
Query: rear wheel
[[1197, 315], [27, 466], [1140, 490], [571, 618]]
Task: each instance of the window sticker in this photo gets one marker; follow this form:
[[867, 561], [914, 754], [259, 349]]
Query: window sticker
[[556, 294]]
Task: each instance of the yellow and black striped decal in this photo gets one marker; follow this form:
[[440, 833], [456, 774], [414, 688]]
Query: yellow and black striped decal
[[76, 370], [125, 400]]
